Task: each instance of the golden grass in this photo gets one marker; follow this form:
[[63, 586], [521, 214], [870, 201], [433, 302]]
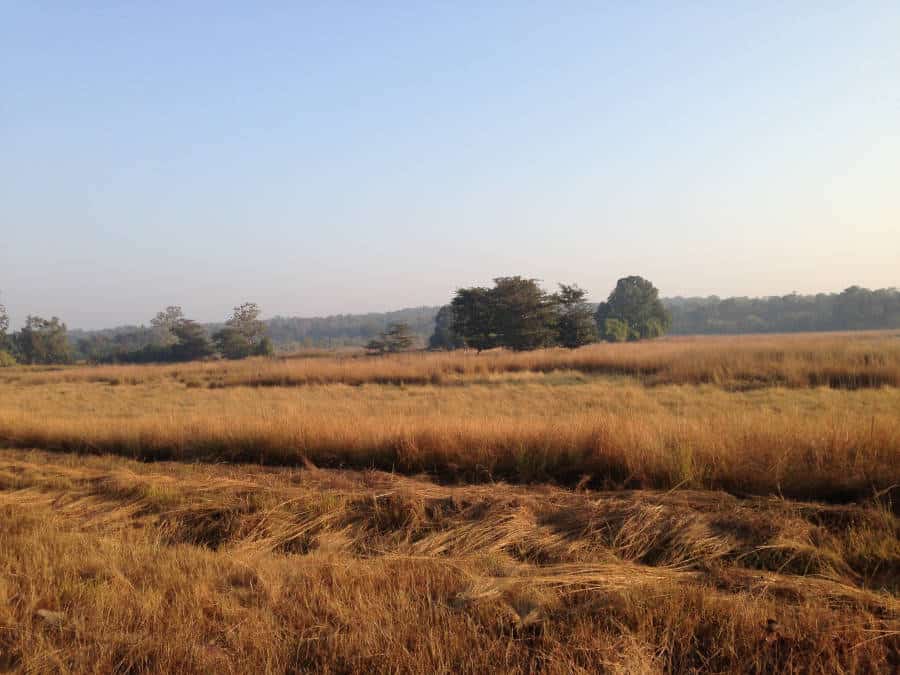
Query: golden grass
[[108, 565], [804, 443], [840, 360], [692, 544]]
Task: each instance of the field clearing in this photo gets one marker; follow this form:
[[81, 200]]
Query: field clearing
[[707, 505], [286, 570]]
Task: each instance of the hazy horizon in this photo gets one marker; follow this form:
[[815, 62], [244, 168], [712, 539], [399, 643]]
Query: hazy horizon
[[322, 161]]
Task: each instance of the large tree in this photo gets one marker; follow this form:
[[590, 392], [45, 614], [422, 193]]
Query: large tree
[[575, 325], [525, 316], [515, 313], [42, 341], [635, 302], [473, 317]]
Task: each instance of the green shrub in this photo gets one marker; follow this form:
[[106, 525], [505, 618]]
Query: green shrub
[[615, 330]]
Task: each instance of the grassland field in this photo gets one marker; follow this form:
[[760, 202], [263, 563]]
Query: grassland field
[[682, 505]]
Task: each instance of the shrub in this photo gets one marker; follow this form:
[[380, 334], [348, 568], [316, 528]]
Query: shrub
[[615, 330]]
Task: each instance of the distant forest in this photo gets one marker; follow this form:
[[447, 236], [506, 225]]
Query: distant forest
[[342, 330], [853, 309]]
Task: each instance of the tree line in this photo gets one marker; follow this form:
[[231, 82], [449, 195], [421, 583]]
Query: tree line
[[171, 337], [516, 313], [855, 308]]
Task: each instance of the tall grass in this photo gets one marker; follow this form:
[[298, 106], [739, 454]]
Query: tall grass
[[824, 444], [851, 360]]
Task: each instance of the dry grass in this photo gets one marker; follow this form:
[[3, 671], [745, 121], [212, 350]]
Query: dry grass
[[679, 542], [112, 566], [848, 360], [806, 443]]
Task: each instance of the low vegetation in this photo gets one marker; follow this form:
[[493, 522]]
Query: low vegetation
[[258, 570], [842, 361], [680, 505]]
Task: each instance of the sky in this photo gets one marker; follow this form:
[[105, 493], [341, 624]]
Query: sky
[[325, 158]]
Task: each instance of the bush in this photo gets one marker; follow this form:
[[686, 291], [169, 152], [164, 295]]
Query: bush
[[615, 330], [6, 359]]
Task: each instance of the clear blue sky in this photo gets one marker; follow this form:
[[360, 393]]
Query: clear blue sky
[[331, 158]]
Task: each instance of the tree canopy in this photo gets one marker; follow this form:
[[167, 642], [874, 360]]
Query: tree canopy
[[635, 302], [575, 325], [42, 341], [516, 313], [244, 334]]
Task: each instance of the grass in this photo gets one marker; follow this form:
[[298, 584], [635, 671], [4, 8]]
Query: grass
[[688, 505], [803, 443], [849, 360], [105, 561]]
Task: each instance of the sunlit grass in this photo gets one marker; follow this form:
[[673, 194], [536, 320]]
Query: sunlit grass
[[567, 426], [851, 360]]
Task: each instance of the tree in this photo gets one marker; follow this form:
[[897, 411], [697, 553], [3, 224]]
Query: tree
[[525, 315], [515, 313], [635, 301], [4, 326], [6, 359], [193, 342], [244, 334], [575, 325], [166, 323], [397, 338], [42, 341], [231, 344], [245, 320], [473, 317], [443, 336]]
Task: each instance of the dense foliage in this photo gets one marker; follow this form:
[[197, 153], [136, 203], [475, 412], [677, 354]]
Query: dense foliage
[[575, 324], [517, 314], [42, 341], [635, 303], [173, 338]]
